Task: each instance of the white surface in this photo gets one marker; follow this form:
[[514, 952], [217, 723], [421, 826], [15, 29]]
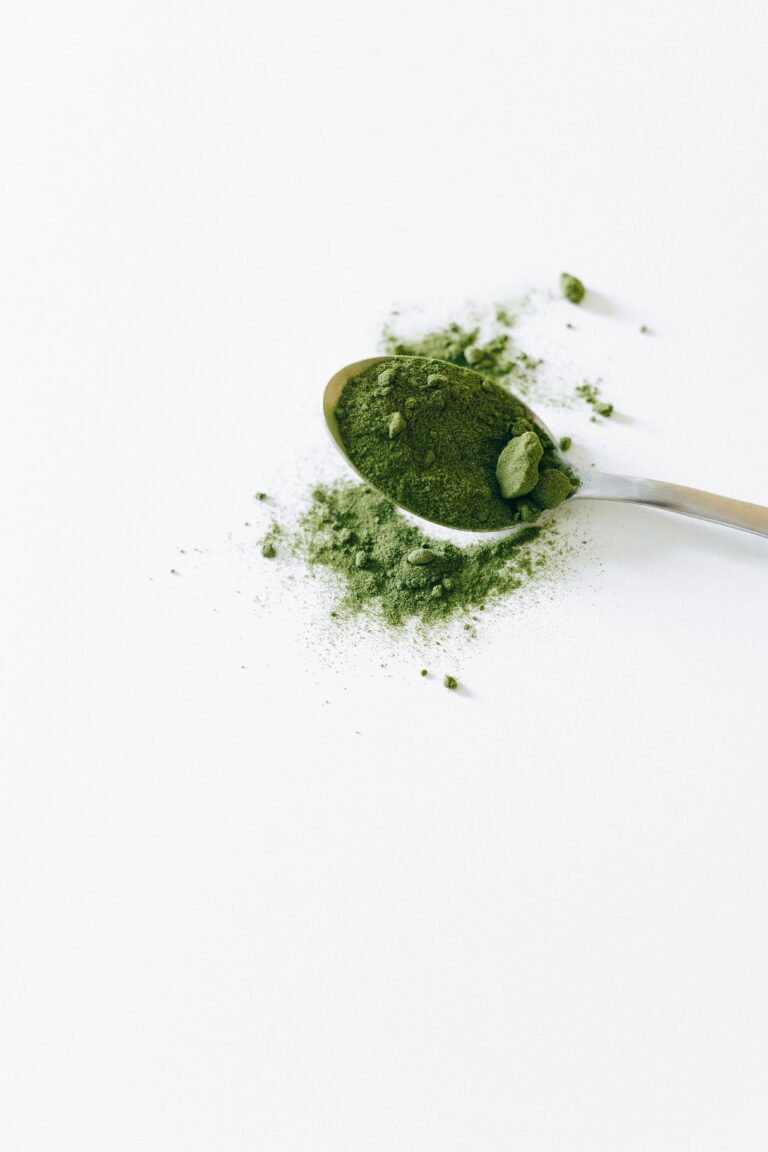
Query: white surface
[[531, 916]]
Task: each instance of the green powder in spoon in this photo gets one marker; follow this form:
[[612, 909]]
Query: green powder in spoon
[[449, 444]]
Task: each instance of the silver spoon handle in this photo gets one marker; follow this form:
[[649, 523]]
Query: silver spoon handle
[[676, 498]]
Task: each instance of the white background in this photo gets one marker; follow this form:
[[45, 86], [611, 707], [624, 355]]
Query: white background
[[259, 891]]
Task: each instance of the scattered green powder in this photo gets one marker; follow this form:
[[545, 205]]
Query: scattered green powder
[[591, 393], [450, 344], [406, 574], [388, 567], [572, 288], [498, 357], [424, 672], [440, 460], [260, 496], [644, 329], [269, 542], [450, 682]]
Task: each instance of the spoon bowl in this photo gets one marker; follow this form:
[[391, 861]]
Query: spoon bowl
[[331, 397], [593, 485]]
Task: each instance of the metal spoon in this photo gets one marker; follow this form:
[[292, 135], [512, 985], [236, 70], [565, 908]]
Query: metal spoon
[[594, 485]]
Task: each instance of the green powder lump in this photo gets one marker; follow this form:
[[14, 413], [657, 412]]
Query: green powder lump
[[591, 393], [517, 469], [552, 487], [430, 438], [450, 682], [572, 288], [269, 543], [517, 472], [405, 574]]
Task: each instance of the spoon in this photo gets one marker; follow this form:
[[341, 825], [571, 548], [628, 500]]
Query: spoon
[[593, 485]]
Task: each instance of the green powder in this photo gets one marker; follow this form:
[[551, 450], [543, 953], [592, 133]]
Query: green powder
[[517, 469], [385, 566], [269, 542], [552, 488], [591, 393], [450, 682], [395, 580], [498, 357], [572, 288], [429, 434]]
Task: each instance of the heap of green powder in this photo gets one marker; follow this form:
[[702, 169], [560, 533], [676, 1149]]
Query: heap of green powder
[[389, 566], [429, 434]]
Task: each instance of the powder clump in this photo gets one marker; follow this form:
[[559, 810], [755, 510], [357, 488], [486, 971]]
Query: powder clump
[[572, 288], [517, 469], [396, 424], [552, 488], [270, 541]]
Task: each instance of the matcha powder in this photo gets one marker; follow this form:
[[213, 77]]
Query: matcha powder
[[429, 434], [435, 427], [389, 567]]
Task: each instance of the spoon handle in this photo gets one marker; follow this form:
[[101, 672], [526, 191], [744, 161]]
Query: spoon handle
[[676, 498]]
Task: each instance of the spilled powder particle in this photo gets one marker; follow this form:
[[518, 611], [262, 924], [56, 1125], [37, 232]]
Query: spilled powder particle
[[572, 288], [591, 394]]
